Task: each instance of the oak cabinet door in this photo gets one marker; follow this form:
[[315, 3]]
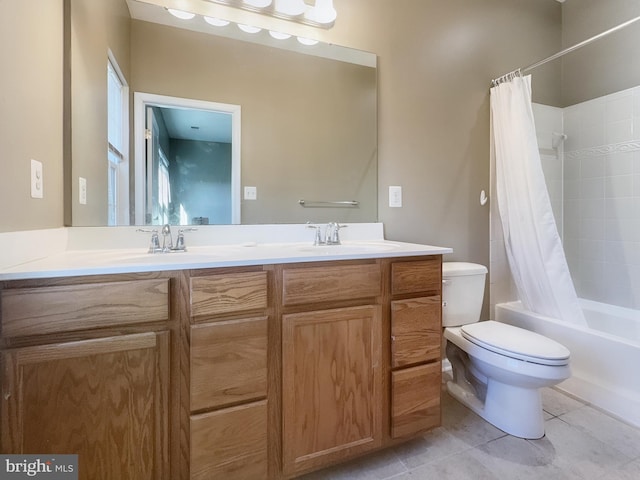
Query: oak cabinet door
[[104, 399], [331, 405]]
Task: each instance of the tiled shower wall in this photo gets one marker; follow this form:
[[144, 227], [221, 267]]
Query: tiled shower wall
[[602, 197], [593, 179]]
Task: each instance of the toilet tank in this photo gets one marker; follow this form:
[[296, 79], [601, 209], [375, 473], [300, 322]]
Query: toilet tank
[[462, 292]]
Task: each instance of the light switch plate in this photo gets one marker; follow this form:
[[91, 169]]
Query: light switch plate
[[395, 196], [250, 193], [82, 190], [37, 181]]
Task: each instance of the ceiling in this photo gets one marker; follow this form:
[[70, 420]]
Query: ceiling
[[189, 124]]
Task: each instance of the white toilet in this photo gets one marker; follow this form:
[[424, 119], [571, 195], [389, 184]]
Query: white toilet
[[498, 369]]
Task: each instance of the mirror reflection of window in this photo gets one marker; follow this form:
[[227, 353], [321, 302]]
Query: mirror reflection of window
[[164, 189], [118, 145]]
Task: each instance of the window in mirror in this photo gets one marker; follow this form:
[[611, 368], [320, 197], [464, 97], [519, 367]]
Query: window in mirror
[[118, 146], [164, 188]]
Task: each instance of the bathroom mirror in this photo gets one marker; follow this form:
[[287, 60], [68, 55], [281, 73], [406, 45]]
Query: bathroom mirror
[[309, 123]]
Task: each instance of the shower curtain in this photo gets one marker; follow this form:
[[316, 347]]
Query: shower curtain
[[534, 249]]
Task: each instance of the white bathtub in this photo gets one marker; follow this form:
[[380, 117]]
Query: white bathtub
[[605, 356]]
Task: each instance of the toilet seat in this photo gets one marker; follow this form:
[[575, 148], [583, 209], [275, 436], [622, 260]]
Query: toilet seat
[[516, 343]]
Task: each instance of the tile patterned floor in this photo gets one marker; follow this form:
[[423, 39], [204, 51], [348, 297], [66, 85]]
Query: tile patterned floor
[[581, 443]]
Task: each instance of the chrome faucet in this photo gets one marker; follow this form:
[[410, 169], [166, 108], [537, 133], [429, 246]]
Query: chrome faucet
[[331, 234], [167, 240]]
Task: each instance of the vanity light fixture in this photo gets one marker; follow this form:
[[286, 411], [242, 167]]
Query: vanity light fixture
[[315, 13], [181, 14], [279, 35], [307, 41], [283, 19], [291, 8], [216, 22], [323, 12], [258, 3], [248, 28]]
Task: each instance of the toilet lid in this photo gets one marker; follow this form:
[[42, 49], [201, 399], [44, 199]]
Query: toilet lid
[[516, 343]]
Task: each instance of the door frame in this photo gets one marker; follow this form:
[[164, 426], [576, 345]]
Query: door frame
[[142, 100]]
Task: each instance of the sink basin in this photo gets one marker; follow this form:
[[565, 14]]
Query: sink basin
[[349, 248], [165, 258]]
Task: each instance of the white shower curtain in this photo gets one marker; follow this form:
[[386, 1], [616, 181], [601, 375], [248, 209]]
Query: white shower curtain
[[534, 249]]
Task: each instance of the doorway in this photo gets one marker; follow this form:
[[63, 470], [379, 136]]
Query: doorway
[[187, 161]]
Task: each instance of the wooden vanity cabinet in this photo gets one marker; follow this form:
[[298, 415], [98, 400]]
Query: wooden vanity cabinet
[[416, 332], [264, 372], [331, 370], [70, 388], [228, 375]]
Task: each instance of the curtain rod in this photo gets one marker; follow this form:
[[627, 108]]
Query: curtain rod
[[581, 44]]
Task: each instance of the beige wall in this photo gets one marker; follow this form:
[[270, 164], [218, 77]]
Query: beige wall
[[608, 65], [96, 27], [30, 112], [436, 59]]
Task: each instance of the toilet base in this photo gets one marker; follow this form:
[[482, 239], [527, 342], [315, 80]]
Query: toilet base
[[514, 410]]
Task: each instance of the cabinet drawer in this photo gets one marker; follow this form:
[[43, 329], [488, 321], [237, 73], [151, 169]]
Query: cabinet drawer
[[413, 277], [228, 293], [415, 330], [46, 310], [415, 399], [330, 283], [228, 362], [230, 444]]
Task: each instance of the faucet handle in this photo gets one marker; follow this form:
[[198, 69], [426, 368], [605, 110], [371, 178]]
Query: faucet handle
[[333, 233], [154, 244], [180, 245], [317, 240]]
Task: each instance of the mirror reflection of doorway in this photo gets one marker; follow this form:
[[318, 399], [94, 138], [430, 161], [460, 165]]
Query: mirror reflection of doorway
[[187, 161]]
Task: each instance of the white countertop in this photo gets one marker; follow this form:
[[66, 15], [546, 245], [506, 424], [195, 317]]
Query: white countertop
[[85, 252], [95, 262]]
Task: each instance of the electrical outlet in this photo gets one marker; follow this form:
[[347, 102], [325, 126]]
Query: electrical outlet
[[395, 196], [37, 180], [250, 193], [82, 190]]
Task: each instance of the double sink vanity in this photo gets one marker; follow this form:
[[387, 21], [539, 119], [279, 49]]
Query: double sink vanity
[[245, 357]]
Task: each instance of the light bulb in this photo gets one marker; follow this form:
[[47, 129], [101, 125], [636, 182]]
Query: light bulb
[[181, 14], [279, 35], [216, 22], [307, 41], [322, 12], [248, 28], [292, 8], [258, 3]]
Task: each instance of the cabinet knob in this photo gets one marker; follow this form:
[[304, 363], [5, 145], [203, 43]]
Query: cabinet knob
[[7, 395]]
